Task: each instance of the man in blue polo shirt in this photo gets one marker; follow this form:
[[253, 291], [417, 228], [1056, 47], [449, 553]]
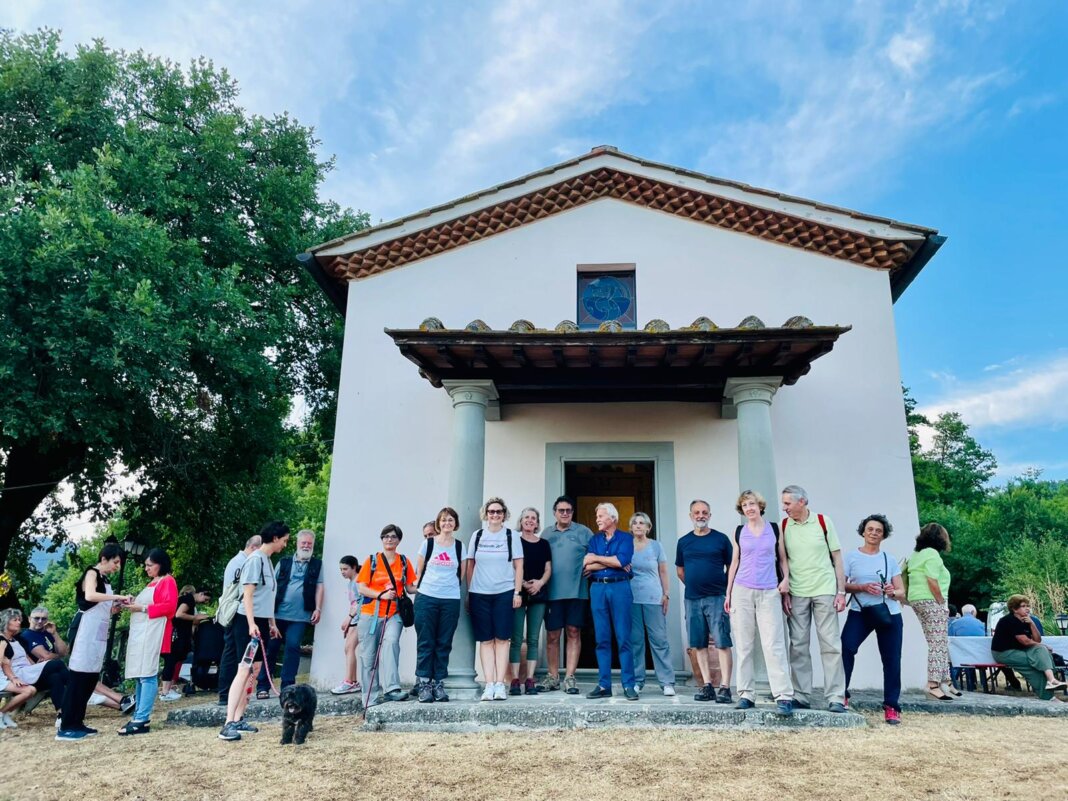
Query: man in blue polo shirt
[[607, 564], [702, 559]]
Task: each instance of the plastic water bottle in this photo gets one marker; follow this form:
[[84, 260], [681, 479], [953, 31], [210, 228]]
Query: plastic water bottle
[[250, 652]]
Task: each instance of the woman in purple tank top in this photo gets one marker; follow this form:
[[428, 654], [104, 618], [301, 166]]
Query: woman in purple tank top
[[754, 603]]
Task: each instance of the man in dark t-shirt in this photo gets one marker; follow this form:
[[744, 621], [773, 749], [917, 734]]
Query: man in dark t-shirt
[[702, 559]]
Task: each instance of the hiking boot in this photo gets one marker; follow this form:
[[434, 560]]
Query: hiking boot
[[549, 683], [426, 692], [530, 688], [744, 703], [630, 693], [515, 688], [784, 708], [600, 692], [244, 726], [571, 685], [836, 707], [439, 692], [706, 693], [891, 716], [397, 695], [723, 695]]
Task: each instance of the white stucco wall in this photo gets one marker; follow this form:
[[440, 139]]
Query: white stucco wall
[[840, 432]]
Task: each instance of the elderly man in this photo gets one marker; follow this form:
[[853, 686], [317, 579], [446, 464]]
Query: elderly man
[[568, 594], [607, 564], [228, 660], [813, 593], [43, 644], [967, 625], [702, 559], [298, 603]]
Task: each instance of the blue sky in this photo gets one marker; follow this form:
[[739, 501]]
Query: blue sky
[[951, 114]]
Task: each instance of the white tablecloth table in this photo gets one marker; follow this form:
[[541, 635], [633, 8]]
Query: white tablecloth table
[[976, 650]]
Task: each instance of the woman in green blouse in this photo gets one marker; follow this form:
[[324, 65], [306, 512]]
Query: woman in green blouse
[[928, 591]]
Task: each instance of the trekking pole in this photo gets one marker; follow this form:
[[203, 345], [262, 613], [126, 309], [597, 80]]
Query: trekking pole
[[378, 653]]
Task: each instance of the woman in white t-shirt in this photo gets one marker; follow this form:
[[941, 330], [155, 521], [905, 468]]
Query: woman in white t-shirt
[[495, 589], [874, 579], [437, 606]]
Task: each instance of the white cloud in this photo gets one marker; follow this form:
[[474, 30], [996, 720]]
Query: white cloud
[[1032, 103], [908, 52], [1030, 396]]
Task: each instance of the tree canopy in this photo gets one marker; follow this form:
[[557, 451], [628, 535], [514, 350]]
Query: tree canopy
[[153, 317]]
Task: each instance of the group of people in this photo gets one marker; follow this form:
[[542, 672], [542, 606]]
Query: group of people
[[768, 583]]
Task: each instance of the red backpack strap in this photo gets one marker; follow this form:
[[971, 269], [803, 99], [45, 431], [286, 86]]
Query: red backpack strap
[[823, 525]]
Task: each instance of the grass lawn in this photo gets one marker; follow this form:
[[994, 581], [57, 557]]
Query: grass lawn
[[954, 758]]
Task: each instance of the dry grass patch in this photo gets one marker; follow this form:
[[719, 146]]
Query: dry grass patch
[[941, 758]]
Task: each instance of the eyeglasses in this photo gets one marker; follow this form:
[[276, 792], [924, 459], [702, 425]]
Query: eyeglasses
[[495, 511], [390, 537], [39, 619], [563, 511]]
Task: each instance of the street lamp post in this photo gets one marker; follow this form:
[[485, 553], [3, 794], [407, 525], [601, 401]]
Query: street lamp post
[[130, 547], [1062, 623]]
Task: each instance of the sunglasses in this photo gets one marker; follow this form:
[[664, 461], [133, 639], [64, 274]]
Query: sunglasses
[[495, 511], [564, 511]]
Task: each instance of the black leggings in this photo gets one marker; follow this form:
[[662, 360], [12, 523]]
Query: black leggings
[[53, 680], [172, 662], [76, 698]]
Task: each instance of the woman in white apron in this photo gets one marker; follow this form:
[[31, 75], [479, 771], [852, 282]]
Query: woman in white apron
[[151, 616], [96, 602]]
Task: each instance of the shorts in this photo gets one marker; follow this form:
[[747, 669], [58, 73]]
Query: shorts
[[566, 612], [705, 617], [242, 636], [491, 615]]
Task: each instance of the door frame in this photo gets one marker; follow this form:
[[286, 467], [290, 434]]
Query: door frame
[[662, 455]]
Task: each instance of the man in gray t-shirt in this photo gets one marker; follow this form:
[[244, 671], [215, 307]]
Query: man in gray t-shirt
[[568, 594]]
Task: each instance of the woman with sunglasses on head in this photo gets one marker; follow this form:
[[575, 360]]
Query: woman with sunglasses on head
[[151, 614], [437, 607], [495, 591], [874, 581], [18, 675], [383, 577]]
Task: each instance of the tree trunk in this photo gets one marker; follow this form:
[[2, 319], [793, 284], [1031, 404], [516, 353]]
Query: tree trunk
[[32, 473]]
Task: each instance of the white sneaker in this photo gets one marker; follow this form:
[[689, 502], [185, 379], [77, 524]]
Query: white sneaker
[[172, 695], [669, 691], [345, 688], [487, 694], [8, 720], [500, 691], [3, 723]]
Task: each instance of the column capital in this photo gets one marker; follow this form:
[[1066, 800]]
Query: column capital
[[480, 392], [760, 389]]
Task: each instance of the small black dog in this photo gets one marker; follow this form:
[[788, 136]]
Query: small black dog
[[298, 713]]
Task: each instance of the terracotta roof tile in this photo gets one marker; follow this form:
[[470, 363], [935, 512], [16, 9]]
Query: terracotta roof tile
[[732, 215]]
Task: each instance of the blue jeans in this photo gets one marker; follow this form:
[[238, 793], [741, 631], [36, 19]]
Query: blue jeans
[[611, 605], [855, 632], [145, 697], [292, 632], [650, 618]]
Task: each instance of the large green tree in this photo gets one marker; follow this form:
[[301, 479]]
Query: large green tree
[[152, 315]]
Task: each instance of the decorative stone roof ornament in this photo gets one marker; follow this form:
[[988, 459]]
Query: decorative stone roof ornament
[[522, 327], [477, 325], [752, 322], [797, 321], [609, 327], [431, 324], [657, 327], [702, 324], [566, 327]]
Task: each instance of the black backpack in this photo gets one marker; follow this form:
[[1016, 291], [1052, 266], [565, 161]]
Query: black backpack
[[507, 538]]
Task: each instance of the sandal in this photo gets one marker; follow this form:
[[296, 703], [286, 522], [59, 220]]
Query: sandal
[[949, 688], [263, 695], [1056, 685], [936, 694]]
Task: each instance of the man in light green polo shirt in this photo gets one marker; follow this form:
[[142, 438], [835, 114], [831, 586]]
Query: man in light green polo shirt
[[813, 592]]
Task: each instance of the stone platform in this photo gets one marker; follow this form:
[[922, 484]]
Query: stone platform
[[550, 711]]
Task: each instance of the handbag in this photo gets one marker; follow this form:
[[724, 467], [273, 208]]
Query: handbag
[[405, 605], [877, 616]]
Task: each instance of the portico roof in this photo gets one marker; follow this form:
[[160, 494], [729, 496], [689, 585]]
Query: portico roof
[[565, 365]]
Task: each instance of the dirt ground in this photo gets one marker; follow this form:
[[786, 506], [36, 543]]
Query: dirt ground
[[931, 757]]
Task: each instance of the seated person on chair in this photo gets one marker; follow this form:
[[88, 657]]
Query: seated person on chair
[[1017, 644]]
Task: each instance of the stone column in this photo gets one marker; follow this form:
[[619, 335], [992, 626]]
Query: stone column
[[751, 404], [467, 470]]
